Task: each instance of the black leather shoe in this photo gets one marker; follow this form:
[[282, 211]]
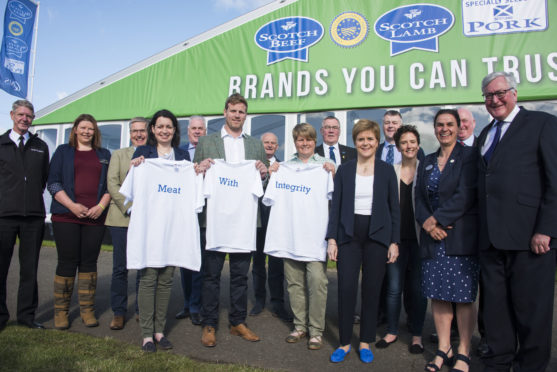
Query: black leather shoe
[[483, 348], [382, 344], [195, 319], [282, 314], [183, 314], [32, 325], [257, 309]]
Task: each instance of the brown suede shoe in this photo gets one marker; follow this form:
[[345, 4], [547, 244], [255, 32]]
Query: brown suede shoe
[[244, 331], [117, 323], [208, 338]]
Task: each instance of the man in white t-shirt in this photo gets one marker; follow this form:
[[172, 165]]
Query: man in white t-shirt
[[234, 146]]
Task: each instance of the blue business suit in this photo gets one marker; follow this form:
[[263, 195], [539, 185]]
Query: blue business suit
[[517, 193], [362, 241]]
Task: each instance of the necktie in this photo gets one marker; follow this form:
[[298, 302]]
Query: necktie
[[20, 147], [496, 139], [332, 154], [390, 154], [462, 142]]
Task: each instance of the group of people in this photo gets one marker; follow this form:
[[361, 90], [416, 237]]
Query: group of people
[[479, 212]]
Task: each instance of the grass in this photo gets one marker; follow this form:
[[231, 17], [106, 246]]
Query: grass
[[24, 349]]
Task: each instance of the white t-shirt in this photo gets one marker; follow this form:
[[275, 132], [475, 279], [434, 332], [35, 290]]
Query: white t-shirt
[[363, 198], [164, 230], [299, 195], [232, 191]]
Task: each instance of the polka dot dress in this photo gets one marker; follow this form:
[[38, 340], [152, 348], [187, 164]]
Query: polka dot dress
[[448, 278]]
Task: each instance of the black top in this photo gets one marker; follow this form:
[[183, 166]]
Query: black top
[[407, 224]]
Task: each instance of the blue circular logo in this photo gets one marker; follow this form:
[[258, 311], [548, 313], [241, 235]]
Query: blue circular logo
[[349, 29]]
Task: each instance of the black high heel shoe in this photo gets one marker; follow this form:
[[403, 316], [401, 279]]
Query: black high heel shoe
[[432, 367]]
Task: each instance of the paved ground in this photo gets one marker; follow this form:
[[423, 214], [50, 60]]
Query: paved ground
[[270, 353]]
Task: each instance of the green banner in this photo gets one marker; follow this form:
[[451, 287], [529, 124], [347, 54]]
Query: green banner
[[315, 55]]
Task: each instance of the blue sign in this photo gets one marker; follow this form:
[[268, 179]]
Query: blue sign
[[288, 38], [19, 19], [416, 26]]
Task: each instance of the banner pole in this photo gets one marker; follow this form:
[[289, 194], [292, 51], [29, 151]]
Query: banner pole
[[34, 51]]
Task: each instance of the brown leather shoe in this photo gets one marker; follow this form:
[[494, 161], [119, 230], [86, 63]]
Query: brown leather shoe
[[208, 338], [244, 331], [117, 323]]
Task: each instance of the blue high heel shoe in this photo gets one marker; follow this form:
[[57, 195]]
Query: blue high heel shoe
[[366, 356], [339, 354]]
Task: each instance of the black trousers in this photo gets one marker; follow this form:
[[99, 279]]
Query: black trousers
[[518, 308], [273, 275], [78, 247], [212, 268], [30, 232], [371, 257]]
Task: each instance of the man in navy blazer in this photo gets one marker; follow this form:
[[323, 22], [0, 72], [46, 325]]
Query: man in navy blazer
[[392, 120], [517, 187], [330, 131], [192, 280]]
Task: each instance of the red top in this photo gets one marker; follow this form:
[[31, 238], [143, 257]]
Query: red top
[[87, 174]]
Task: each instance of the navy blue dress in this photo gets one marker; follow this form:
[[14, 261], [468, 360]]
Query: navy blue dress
[[448, 278]]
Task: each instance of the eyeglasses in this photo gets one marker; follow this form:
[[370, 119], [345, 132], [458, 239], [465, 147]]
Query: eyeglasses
[[328, 127], [500, 94]]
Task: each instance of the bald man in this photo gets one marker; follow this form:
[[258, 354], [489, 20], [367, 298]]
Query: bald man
[[467, 124]]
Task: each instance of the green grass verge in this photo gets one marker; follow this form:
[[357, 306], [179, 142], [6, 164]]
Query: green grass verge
[[23, 349]]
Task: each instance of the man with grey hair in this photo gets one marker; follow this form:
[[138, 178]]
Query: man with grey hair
[[467, 125], [517, 209], [23, 174], [330, 148], [273, 276], [193, 280], [118, 219]]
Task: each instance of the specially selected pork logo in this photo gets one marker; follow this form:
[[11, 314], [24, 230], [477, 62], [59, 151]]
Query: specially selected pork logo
[[288, 38], [480, 18], [416, 26]]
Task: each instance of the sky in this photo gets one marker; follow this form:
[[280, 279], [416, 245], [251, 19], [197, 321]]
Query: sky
[[80, 42]]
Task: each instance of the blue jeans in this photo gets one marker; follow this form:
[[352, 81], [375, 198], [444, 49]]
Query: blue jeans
[[119, 284], [407, 267]]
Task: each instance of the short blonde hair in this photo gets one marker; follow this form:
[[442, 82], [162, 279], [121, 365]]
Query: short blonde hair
[[363, 125], [304, 130]]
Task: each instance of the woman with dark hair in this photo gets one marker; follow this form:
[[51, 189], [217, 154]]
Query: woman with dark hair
[[407, 140], [156, 282], [363, 232], [77, 182], [447, 212]]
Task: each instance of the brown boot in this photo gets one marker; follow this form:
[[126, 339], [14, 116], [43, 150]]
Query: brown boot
[[63, 288], [244, 331], [87, 284], [117, 322], [208, 338]]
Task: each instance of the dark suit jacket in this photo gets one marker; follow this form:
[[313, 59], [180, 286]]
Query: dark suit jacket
[[421, 153], [384, 226], [518, 188], [346, 152], [457, 202], [150, 152]]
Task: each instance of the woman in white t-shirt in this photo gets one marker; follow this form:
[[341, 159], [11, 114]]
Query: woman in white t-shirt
[[155, 284], [307, 280], [364, 231]]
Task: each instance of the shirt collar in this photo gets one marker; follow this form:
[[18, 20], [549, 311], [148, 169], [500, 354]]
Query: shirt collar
[[469, 141], [512, 115], [224, 133], [327, 147], [15, 137]]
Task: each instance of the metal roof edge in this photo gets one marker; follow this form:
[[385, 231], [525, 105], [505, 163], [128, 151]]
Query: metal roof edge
[[169, 52]]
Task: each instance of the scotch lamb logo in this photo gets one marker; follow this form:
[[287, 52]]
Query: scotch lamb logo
[[416, 26], [288, 38]]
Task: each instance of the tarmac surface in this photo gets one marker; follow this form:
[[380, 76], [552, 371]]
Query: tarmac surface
[[272, 352]]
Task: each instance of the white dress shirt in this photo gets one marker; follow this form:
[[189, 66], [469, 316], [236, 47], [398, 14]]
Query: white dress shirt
[[14, 136], [396, 153], [504, 128], [233, 147]]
